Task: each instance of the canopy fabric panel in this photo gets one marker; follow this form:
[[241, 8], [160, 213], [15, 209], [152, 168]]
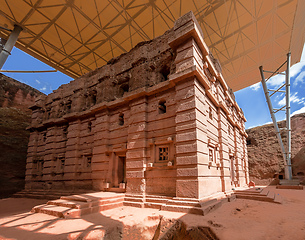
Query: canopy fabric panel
[[76, 36]]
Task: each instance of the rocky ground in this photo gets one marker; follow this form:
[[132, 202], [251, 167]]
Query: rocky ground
[[15, 98], [264, 153], [237, 220]]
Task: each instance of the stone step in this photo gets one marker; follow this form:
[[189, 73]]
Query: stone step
[[157, 200], [212, 207], [133, 204], [154, 205], [271, 195], [248, 192], [104, 201], [184, 203], [185, 209], [110, 206], [295, 187], [256, 197], [56, 211], [278, 199], [207, 202], [292, 182], [72, 204], [77, 205], [265, 192], [134, 199]]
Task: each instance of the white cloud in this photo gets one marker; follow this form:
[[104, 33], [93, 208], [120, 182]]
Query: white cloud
[[301, 110], [37, 81], [43, 88], [299, 79], [256, 86], [276, 81], [296, 69], [293, 99]]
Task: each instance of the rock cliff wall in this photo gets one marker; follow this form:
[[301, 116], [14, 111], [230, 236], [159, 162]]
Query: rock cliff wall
[[15, 117], [265, 156]]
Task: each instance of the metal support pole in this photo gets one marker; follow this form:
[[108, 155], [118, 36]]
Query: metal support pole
[[6, 51], [273, 116], [288, 123]]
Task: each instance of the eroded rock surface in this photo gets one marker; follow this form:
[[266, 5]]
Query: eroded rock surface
[[15, 117], [265, 156]]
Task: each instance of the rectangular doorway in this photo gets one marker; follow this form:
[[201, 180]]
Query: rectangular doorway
[[121, 170]]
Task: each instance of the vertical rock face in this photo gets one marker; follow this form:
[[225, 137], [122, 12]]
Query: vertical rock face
[[264, 153], [16, 94], [15, 98]]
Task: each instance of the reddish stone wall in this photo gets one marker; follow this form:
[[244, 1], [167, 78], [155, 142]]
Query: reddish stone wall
[[161, 112], [265, 156]]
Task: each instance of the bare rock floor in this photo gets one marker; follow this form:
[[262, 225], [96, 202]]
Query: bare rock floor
[[240, 219]]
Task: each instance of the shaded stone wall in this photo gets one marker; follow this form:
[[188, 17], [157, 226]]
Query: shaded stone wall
[[265, 156], [15, 117], [159, 120]]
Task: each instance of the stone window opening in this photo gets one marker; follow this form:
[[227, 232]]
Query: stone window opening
[[44, 136], [40, 164], [121, 119], [165, 71], [69, 106], [88, 162], [162, 107], [123, 88], [210, 113], [65, 132], [211, 155], [89, 126], [163, 153], [93, 99], [61, 162]]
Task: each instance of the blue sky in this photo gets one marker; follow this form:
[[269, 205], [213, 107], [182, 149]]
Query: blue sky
[[251, 99]]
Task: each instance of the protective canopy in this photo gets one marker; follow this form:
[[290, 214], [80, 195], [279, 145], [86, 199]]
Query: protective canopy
[[77, 36]]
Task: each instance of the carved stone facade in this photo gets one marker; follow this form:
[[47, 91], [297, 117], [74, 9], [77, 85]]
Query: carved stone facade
[[159, 120]]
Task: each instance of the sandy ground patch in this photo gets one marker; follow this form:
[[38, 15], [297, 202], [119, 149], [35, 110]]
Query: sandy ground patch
[[241, 219]]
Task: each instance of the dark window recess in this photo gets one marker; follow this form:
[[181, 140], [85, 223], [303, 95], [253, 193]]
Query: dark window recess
[[162, 107], [62, 163], [44, 136], [65, 132], [89, 159], [69, 105], [210, 113], [165, 71], [89, 126], [93, 99], [121, 119], [281, 176], [211, 155], [163, 153], [123, 88], [248, 141]]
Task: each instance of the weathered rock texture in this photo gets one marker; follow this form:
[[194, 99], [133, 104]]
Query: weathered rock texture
[[264, 153], [15, 117], [159, 120]]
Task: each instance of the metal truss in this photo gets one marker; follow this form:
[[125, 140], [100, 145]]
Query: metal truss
[[76, 37], [286, 86]]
